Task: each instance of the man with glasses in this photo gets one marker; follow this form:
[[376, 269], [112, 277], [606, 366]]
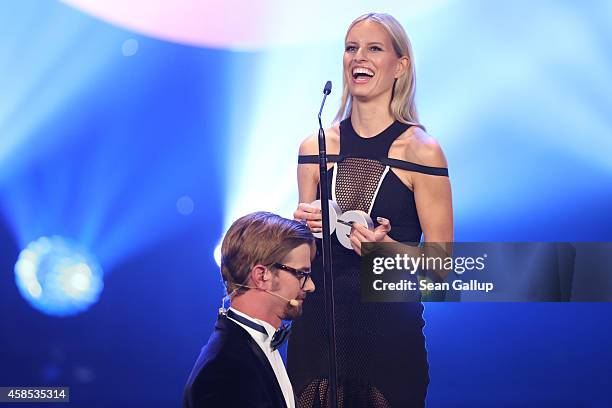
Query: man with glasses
[[265, 267]]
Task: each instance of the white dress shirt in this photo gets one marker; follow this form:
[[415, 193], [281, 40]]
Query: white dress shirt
[[274, 357]]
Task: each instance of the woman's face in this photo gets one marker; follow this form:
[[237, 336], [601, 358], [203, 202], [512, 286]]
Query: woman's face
[[370, 62]]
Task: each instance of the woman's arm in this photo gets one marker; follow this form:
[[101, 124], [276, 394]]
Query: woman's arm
[[308, 181], [432, 194], [308, 174]]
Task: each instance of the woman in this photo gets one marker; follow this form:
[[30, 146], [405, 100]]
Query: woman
[[384, 163]]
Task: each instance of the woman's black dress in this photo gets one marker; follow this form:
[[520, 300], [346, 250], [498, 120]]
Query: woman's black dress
[[381, 355]]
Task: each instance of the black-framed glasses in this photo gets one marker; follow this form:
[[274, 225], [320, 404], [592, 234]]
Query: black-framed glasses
[[300, 274]]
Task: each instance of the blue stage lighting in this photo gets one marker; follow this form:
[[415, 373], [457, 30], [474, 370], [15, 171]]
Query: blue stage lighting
[[58, 277]]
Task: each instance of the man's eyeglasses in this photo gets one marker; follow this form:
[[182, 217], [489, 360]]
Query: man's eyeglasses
[[303, 276]]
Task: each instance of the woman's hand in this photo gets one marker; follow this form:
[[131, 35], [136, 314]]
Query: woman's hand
[[309, 214], [360, 234]]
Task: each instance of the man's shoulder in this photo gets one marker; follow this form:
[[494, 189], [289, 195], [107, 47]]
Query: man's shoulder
[[227, 344], [226, 360]]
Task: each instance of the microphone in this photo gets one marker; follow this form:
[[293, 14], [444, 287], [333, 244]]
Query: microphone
[[292, 302], [328, 281], [326, 91]]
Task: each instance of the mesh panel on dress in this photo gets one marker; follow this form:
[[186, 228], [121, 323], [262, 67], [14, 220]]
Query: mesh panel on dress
[[356, 183], [316, 395]]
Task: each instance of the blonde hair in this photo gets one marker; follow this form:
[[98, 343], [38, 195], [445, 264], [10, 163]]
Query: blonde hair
[[403, 107]]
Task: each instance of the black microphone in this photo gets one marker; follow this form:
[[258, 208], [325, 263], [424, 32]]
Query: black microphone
[[326, 91], [328, 281]]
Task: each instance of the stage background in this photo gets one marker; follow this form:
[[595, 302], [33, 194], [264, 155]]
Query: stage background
[[141, 129]]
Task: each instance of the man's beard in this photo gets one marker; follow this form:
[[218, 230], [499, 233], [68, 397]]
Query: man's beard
[[292, 312]]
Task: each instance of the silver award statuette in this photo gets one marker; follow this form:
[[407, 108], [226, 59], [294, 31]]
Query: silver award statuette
[[334, 213], [341, 223]]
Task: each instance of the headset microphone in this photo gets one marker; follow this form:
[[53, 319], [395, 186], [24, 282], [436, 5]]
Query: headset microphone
[[292, 302]]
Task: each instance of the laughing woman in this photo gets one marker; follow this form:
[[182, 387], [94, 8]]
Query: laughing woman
[[388, 166]]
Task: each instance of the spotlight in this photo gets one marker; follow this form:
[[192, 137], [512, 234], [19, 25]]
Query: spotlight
[[217, 254], [57, 277], [184, 205]]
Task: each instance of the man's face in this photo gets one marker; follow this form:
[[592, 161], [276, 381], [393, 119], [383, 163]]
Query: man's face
[[289, 285]]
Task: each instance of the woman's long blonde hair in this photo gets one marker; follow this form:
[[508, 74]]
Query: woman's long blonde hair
[[403, 107]]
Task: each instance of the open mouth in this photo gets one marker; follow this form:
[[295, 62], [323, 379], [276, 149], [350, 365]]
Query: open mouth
[[362, 75]]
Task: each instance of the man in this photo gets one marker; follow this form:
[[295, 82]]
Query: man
[[265, 266]]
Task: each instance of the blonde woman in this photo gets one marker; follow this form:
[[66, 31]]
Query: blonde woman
[[382, 162]]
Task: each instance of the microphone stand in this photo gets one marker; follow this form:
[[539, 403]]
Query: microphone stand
[[328, 282]]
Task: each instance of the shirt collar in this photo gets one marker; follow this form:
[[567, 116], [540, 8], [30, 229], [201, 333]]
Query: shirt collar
[[267, 326]]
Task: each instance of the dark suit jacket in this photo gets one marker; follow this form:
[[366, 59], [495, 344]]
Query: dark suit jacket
[[232, 371]]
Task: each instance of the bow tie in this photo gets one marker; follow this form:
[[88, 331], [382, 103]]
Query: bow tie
[[280, 336]]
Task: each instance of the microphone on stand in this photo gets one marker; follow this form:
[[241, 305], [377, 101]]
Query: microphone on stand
[[327, 88], [328, 281], [326, 91]]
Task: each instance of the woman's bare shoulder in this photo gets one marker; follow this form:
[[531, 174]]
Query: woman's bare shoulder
[[310, 145], [419, 147]]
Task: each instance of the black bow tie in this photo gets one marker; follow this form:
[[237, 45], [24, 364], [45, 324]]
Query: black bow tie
[[280, 336]]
